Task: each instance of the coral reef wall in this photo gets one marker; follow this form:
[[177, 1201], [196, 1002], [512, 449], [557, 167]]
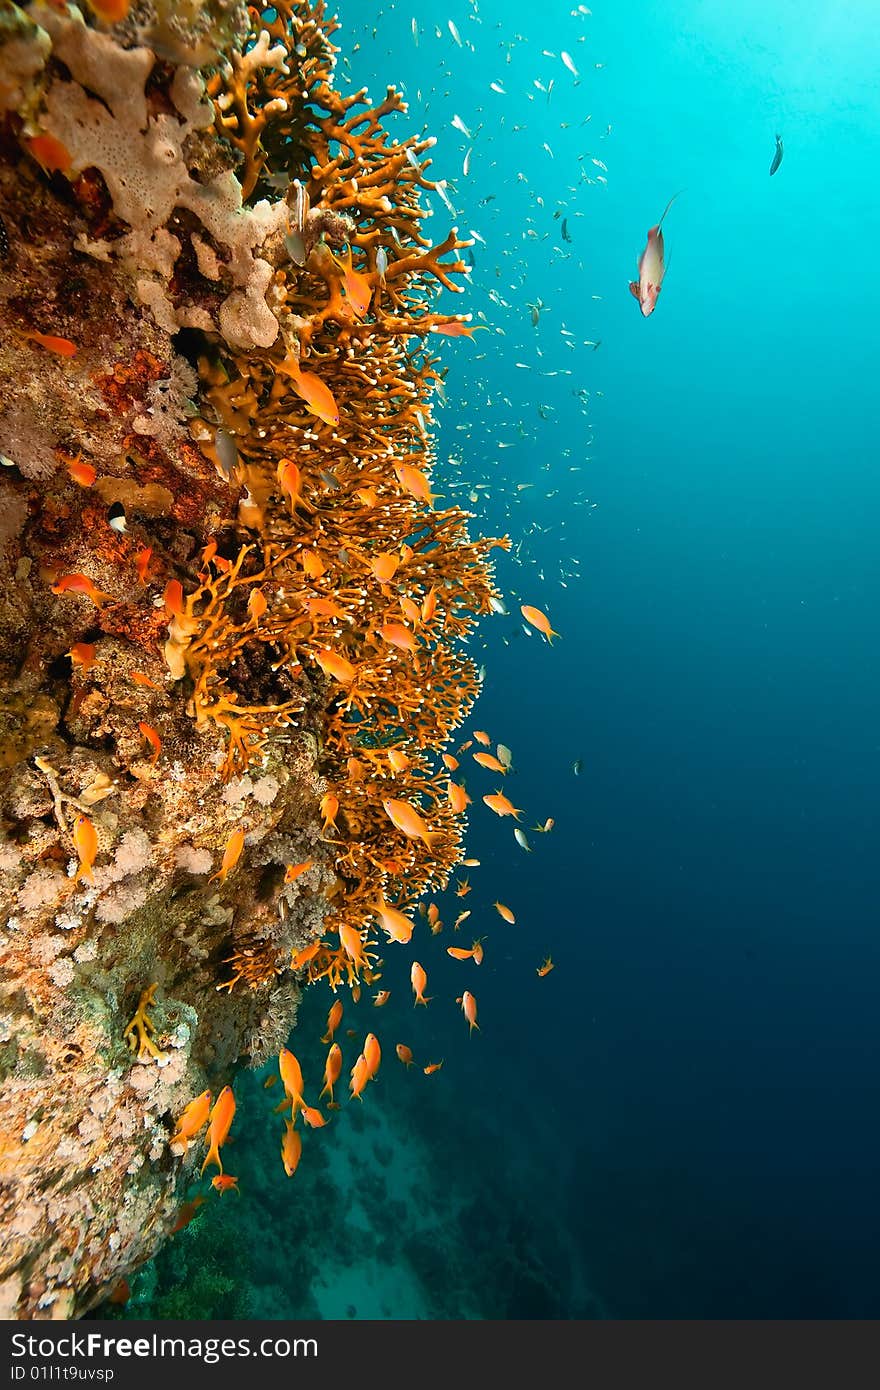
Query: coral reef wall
[[232, 618]]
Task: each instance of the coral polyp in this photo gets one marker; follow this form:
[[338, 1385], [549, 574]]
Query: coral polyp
[[234, 612]]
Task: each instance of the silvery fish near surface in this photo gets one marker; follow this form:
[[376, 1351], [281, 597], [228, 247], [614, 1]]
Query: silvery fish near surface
[[777, 158]]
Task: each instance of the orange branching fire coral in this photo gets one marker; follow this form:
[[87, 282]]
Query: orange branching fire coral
[[342, 584], [141, 1031]]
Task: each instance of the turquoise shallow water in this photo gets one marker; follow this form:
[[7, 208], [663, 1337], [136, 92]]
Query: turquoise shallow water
[[681, 1119]]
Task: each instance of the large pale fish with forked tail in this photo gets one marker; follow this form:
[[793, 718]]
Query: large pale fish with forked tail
[[651, 268]]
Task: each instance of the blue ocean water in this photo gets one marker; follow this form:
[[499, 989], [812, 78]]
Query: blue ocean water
[[681, 1120]]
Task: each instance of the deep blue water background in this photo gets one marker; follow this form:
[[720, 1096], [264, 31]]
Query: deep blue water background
[[700, 1071], [682, 1119]]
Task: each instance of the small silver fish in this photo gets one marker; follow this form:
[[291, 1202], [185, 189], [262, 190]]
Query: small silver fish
[[298, 202], [227, 453], [454, 32], [441, 189], [567, 60], [519, 836], [777, 158], [382, 259], [295, 247]]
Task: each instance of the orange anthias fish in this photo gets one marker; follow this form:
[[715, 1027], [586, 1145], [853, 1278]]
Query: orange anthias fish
[[482, 737], [219, 1126], [458, 329], [432, 1067], [372, 1054], [332, 1068], [332, 664], [80, 584], [395, 924], [411, 611], [457, 797], [358, 289], [545, 968], [111, 11], [313, 1117], [398, 760], [469, 1009], [450, 762], [538, 620], [50, 153], [142, 563], [419, 980], [82, 654], [231, 855], [153, 739], [405, 1054], [353, 945], [193, 1120], [291, 1149], [290, 481], [187, 1212], [63, 347], [360, 1075], [291, 1079], [172, 597], [397, 635], [323, 608], [329, 810], [459, 953], [651, 268], [256, 605], [406, 818], [85, 839], [501, 806], [426, 613], [334, 1018], [381, 999], [415, 482], [82, 473], [293, 871], [223, 1181], [504, 912], [311, 389], [491, 762], [384, 567], [300, 958]]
